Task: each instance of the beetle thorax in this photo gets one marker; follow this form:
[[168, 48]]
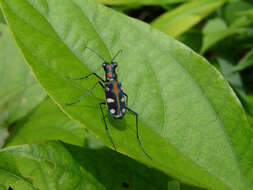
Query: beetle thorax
[[110, 73], [111, 76]]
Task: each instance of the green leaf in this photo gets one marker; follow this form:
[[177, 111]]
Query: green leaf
[[140, 2], [227, 68], [47, 122], [235, 9], [248, 104], [43, 166], [53, 165], [19, 93], [191, 122], [173, 185], [187, 187], [3, 128], [214, 31], [184, 17], [245, 62], [248, 12], [3, 135], [115, 171]]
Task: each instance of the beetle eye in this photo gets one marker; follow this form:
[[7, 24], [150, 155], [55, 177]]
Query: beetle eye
[[115, 64]]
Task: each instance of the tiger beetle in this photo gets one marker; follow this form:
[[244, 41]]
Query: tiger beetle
[[115, 96]]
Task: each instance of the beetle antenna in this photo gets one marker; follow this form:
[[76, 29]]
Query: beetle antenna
[[95, 53], [120, 51]]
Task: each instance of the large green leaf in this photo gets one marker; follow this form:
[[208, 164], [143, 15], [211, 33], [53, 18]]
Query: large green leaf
[[191, 122], [140, 2], [53, 165], [181, 19], [47, 122], [20, 92]]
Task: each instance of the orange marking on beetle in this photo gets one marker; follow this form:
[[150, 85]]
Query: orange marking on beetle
[[109, 75], [116, 91], [115, 88]]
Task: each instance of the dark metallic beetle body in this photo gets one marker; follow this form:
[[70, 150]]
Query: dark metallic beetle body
[[115, 100]]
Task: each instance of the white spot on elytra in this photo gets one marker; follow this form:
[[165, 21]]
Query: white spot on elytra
[[112, 110], [122, 99], [110, 100], [123, 110]]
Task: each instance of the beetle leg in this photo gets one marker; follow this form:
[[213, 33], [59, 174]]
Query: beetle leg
[[90, 91], [106, 128], [126, 98], [85, 77], [137, 132]]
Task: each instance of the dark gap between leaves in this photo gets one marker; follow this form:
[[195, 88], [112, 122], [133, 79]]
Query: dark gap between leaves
[[125, 185]]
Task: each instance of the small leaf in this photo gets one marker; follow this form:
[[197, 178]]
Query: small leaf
[[214, 31], [184, 17], [19, 93], [234, 9], [245, 62], [191, 123], [47, 122], [227, 67]]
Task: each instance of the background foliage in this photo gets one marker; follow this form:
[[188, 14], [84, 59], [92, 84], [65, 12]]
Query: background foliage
[[196, 128]]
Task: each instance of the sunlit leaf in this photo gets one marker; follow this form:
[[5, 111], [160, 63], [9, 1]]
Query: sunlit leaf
[[47, 122], [140, 2], [191, 123], [181, 19], [19, 92]]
